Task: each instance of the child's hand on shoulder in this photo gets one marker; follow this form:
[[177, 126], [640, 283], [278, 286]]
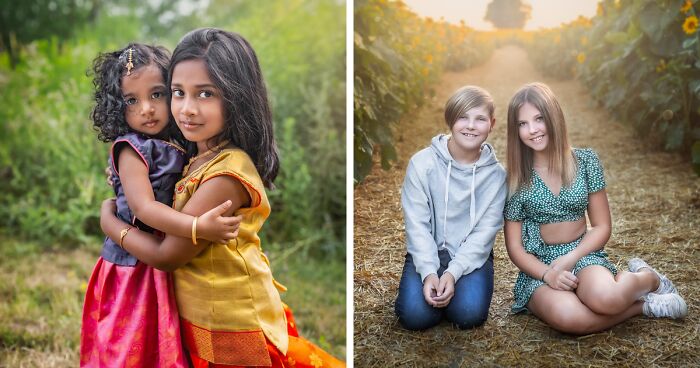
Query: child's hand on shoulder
[[213, 226], [108, 174], [109, 206]]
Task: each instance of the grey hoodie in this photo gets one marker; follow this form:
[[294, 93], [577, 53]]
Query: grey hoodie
[[463, 219]]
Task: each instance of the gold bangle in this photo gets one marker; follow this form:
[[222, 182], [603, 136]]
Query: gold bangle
[[194, 230], [122, 234]]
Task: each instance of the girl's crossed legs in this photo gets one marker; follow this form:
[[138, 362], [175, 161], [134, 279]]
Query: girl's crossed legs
[[600, 301]]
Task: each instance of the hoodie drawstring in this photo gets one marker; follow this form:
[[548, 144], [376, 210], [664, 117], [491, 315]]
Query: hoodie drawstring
[[472, 205], [472, 202], [447, 198]]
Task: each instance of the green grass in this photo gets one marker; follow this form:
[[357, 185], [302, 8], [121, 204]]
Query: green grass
[[316, 295], [41, 296]]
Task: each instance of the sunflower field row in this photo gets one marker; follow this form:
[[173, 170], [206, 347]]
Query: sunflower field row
[[398, 56], [640, 60]]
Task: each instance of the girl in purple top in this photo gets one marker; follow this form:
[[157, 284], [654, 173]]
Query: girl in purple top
[[129, 316]]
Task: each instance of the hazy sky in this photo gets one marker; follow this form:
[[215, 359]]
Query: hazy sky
[[545, 13]]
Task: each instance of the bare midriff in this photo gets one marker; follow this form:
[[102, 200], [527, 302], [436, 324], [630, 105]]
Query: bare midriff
[[562, 232]]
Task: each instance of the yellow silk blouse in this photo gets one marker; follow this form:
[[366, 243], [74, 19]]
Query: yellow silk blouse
[[226, 295]]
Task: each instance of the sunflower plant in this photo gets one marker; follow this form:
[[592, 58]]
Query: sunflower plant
[[641, 61], [398, 57]]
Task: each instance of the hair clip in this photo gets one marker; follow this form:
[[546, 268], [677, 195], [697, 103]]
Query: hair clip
[[130, 64]]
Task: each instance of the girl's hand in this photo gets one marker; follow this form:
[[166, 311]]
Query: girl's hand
[[108, 209], [565, 262], [430, 287], [559, 279], [108, 172], [213, 226], [109, 206], [445, 290]]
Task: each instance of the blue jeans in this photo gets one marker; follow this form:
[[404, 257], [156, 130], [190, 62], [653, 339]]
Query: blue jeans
[[468, 308]]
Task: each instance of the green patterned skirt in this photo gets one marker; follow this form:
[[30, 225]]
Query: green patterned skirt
[[525, 285]]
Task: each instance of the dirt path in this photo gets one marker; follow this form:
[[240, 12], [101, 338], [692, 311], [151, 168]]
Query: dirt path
[[655, 204]]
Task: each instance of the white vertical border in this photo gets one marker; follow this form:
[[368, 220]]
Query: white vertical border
[[349, 165]]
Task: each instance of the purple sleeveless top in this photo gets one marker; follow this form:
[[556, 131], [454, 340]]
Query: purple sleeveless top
[[164, 161]]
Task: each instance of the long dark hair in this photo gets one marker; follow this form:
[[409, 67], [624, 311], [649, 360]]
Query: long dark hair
[[108, 115], [233, 67]]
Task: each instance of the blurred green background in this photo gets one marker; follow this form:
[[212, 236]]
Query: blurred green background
[[51, 163]]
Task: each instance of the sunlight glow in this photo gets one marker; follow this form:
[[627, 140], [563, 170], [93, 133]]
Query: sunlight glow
[[545, 13]]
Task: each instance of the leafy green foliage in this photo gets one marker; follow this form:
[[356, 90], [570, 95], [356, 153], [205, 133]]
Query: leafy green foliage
[[50, 160], [641, 61], [22, 22], [557, 52], [398, 56]]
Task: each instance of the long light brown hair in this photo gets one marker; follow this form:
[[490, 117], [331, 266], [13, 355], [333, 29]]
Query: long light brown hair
[[520, 156]]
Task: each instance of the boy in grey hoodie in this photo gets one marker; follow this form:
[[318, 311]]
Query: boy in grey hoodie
[[452, 198]]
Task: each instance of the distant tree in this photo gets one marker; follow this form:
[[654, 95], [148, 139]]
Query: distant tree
[[24, 21], [510, 14]]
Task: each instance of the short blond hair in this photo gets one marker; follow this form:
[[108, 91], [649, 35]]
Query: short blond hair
[[465, 99]]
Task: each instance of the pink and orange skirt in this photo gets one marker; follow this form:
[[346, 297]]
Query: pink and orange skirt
[[130, 319], [301, 353]]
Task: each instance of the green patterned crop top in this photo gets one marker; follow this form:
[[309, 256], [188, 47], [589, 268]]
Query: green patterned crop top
[[538, 204]]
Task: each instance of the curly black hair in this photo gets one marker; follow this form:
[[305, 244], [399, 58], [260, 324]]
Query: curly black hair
[[234, 69], [108, 115]]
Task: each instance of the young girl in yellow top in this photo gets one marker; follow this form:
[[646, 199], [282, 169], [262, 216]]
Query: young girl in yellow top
[[229, 303]]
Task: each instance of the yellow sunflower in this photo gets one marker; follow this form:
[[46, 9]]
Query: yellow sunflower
[[686, 6], [690, 25], [581, 58]]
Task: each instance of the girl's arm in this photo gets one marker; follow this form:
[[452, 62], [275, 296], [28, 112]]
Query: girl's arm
[[558, 279], [172, 252], [139, 195], [597, 236]]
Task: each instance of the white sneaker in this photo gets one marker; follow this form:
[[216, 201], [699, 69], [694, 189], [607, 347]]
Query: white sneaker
[[664, 305], [665, 285]]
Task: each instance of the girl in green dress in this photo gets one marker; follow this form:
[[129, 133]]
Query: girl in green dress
[[565, 277]]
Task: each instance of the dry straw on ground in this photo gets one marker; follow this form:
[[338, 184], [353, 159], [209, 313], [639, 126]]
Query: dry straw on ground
[[655, 203]]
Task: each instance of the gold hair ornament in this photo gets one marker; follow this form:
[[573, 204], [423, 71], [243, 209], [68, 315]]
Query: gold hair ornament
[[130, 64]]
